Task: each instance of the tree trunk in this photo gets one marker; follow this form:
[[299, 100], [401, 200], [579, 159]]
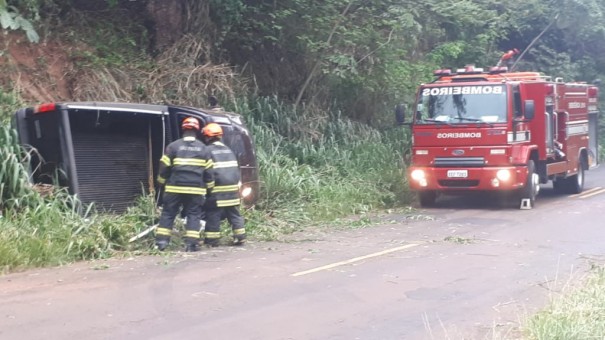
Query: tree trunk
[[167, 22]]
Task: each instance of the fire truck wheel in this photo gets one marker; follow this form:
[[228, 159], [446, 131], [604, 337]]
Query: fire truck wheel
[[532, 186], [559, 186], [427, 198], [572, 184], [576, 182]]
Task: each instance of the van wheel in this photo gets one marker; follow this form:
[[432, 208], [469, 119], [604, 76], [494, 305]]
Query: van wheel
[[427, 198], [531, 188]]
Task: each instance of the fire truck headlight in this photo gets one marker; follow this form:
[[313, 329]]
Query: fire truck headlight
[[246, 191], [503, 175], [417, 175]]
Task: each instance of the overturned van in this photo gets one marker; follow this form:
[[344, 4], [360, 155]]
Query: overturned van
[[108, 153]]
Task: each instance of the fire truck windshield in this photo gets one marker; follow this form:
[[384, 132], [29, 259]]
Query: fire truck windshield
[[461, 104]]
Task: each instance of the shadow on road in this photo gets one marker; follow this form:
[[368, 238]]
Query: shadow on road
[[492, 200]]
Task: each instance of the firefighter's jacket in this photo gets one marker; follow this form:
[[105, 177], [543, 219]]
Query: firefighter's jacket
[[226, 175], [186, 167]]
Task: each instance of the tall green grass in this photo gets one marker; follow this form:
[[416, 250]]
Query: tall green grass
[[320, 165], [55, 230]]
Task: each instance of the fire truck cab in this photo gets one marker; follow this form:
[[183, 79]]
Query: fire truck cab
[[495, 130]]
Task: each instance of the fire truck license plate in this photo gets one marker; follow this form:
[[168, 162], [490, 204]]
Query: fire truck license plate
[[457, 173]]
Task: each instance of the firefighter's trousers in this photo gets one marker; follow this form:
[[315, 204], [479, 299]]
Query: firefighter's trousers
[[192, 210], [214, 215]]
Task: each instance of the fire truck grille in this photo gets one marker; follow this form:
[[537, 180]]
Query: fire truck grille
[[467, 162], [458, 183]]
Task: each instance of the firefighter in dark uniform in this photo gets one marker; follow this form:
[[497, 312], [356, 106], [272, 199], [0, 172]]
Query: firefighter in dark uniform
[[223, 200], [186, 172]]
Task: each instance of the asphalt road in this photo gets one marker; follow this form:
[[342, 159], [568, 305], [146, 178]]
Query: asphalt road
[[467, 269]]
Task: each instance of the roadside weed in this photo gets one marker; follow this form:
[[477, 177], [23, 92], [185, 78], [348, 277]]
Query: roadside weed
[[577, 314]]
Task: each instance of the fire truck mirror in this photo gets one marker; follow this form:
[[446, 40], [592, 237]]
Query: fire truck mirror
[[529, 109], [400, 114]]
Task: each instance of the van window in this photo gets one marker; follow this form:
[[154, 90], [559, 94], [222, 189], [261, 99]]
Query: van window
[[180, 116], [234, 141]]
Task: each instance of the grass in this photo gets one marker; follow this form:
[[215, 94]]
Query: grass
[[579, 314], [321, 165], [459, 239]]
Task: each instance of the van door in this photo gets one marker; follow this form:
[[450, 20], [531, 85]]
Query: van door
[[46, 129], [176, 119]]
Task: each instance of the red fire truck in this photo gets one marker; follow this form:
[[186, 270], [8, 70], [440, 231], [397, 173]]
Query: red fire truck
[[495, 130]]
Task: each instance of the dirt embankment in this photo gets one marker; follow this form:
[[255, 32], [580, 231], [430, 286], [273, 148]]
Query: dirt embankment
[[38, 72]]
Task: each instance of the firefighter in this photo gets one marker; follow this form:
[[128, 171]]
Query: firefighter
[[185, 171], [508, 58], [223, 200]]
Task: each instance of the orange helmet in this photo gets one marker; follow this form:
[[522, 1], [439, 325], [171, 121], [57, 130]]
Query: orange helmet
[[190, 123], [212, 130]]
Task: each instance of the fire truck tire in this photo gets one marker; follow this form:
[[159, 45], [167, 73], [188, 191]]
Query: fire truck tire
[[532, 186], [576, 182], [427, 198], [572, 184], [559, 186]]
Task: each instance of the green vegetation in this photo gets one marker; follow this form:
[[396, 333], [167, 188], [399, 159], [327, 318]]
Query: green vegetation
[[459, 239], [321, 166], [12, 19], [315, 81], [578, 314]]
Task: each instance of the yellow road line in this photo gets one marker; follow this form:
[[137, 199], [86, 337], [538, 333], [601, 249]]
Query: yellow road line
[[356, 259], [586, 192], [593, 194]]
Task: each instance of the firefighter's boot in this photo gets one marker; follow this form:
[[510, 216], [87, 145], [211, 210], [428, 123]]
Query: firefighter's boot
[[211, 242], [162, 244], [192, 247], [239, 240]]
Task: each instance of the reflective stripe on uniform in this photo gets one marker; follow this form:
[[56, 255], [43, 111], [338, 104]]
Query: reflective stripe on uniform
[[192, 234], [186, 190], [212, 234], [166, 160], [225, 188], [227, 164], [163, 231], [240, 231], [227, 203], [191, 161], [161, 180]]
